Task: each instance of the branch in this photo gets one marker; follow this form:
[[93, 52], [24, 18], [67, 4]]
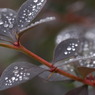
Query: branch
[[75, 60], [41, 60]]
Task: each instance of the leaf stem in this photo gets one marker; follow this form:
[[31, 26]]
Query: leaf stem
[[41, 60]]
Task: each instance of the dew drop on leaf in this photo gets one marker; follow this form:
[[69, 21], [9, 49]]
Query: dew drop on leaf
[[7, 23], [66, 49], [28, 12], [17, 73]]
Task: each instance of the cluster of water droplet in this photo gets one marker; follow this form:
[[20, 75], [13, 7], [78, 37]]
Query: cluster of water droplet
[[19, 74], [39, 22], [11, 23], [7, 20], [85, 55], [29, 13], [71, 48]]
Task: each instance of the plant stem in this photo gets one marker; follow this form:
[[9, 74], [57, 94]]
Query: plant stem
[[36, 57], [41, 60]]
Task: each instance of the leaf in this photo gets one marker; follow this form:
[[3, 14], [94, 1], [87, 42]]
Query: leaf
[[53, 77], [83, 90], [66, 49], [72, 31], [32, 25], [47, 19], [84, 71], [7, 23], [17, 73], [28, 12]]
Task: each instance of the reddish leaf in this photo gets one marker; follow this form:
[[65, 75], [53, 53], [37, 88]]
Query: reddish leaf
[[83, 90], [84, 71]]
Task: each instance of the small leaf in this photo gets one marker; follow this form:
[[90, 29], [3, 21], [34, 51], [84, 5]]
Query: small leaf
[[72, 31], [83, 90], [28, 12], [67, 48], [84, 71], [18, 73], [7, 23], [53, 77], [31, 26]]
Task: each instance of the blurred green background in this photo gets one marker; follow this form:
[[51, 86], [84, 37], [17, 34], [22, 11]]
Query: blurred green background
[[41, 40]]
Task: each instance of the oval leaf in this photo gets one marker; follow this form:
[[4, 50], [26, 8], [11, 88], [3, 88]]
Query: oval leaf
[[18, 73], [28, 12], [84, 71], [54, 77], [66, 49], [7, 23], [83, 90]]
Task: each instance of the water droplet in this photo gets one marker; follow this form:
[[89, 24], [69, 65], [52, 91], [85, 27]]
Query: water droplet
[[6, 78], [69, 48], [16, 79], [6, 25], [13, 78], [26, 78], [65, 53], [93, 62], [15, 71], [34, 7], [28, 74], [42, 0], [30, 14], [11, 14], [21, 73], [73, 49], [35, 1], [6, 84], [11, 26], [5, 31], [39, 4], [1, 22], [94, 54], [28, 21], [22, 68], [17, 75], [76, 45]]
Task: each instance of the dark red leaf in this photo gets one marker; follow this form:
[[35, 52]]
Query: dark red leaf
[[84, 71], [83, 90]]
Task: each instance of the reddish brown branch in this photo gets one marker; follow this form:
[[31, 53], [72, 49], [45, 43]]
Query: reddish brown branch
[[41, 60]]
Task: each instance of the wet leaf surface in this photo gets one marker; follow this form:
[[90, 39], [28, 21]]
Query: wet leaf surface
[[67, 48], [7, 22], [28, 12], [17, 73]]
